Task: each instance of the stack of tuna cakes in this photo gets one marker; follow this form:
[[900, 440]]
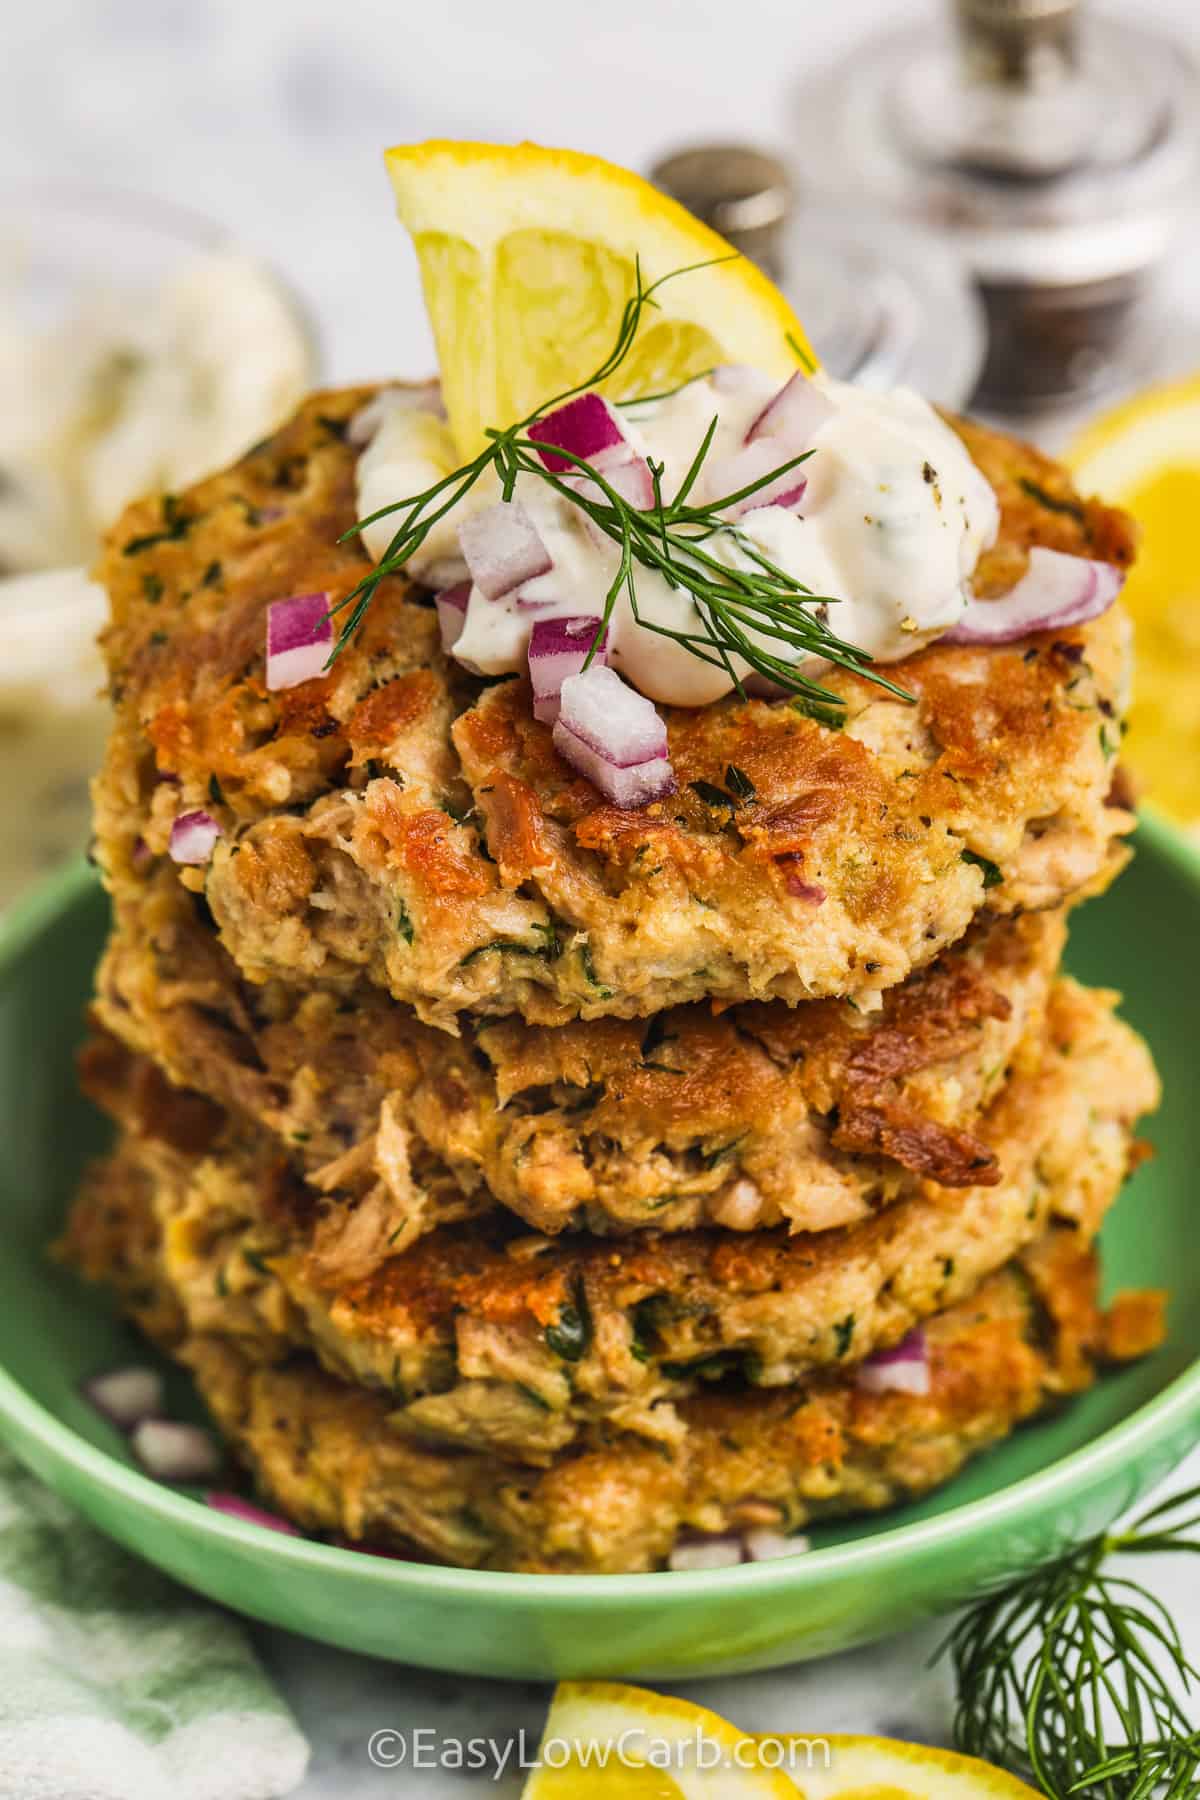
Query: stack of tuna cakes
[[534, 1184]]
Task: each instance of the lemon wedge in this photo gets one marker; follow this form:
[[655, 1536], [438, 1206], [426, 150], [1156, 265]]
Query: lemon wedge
[[602, 1740], [871, 1768], [605, 1741], [527, 259], [1145, 456]]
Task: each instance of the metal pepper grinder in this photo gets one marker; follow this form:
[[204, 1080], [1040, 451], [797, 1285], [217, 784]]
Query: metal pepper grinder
[[1055, 151], [883, 303]]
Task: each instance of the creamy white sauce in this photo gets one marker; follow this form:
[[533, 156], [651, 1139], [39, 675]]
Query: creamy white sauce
[[889, 530], [136, 390]]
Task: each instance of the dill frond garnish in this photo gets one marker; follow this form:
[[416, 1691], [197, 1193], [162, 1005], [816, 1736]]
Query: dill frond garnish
[[1076, 1677], [673, 537]]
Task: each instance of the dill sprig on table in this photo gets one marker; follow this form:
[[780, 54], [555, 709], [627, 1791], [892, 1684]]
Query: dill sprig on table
[[674, 538], [1076, 1677]]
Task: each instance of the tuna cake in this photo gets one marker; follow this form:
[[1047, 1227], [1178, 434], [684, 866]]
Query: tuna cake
[[522, 1345], [814, 1116], [399, 824], [329, 1457]]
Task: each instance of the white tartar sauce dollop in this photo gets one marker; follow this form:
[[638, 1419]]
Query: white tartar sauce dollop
[[892, 522]]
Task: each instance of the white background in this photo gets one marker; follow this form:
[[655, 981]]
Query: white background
[[270, 115]]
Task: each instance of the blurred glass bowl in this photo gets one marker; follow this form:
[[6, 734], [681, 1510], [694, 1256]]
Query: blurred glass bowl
[[140, 348]]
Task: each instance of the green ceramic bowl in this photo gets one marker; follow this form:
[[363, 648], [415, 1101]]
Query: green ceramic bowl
[[1051, 1484]]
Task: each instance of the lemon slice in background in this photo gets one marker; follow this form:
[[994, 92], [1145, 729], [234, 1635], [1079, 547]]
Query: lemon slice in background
[[1145, 456], [604, 1741], [527, 259]]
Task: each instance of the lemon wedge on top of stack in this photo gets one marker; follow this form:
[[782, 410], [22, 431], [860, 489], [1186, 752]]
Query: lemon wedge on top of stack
[[528, 257], [1145, 456], [604, 1741]]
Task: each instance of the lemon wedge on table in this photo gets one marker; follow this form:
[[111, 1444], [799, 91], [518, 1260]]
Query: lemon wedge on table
[[604, 1741], [1145, 456], [527, 259]]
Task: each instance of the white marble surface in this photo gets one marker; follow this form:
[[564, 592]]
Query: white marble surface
[[269, 115]]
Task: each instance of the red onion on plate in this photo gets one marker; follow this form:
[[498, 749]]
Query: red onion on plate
[[502, 548], [126, 1396], [613, 735], [904, 1369], [753, 462], [768, 1546], [794, 416], [299, 639], [236, 1508], [706, 1553], [558, 649], [1056, 591], [173, 1452], [451, 607], [193, 837]]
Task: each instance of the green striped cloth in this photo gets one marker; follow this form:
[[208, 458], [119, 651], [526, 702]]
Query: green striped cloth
[[117, 1685]]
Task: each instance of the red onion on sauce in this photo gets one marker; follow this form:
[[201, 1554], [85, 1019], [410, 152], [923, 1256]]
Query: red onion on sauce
[[558, 649], [502, 548], [1056, 591], [193, 837], [299, 639], [451, 607], [753, 462], [587, 427], [794, 416]]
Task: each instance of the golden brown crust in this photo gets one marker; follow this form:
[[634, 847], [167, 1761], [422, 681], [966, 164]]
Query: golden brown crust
[[392, 824], [812, 1116], [328, 1456], [487, 1338]]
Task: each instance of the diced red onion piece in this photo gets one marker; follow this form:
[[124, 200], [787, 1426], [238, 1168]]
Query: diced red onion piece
[[903, 1369], [631, 480], [729, 474], [299, 639], [613, 719], [767, 1546], [587, 427], [712, 1553], [1055, 592], [558, 649], [173, 1452], [451, 607], [794, 417], [193, 837], [806, 890], [236, 1508], [126, 1396], [502, 548], [634, 785]]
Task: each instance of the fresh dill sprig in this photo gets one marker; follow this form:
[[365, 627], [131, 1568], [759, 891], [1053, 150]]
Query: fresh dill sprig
[[741, 598], [1077, 1678]]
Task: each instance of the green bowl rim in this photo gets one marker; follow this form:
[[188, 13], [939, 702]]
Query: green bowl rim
[[885, 1549]]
